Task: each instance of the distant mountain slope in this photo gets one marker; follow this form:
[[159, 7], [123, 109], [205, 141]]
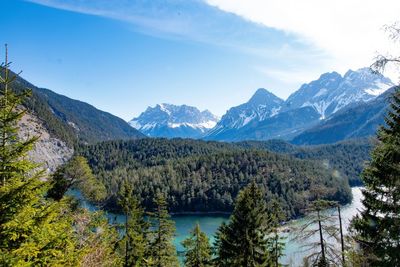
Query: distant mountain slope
[[356, 121], [261, 106], [167, 120], [270, 117], [284, 125], [332, 92], [72, 120]]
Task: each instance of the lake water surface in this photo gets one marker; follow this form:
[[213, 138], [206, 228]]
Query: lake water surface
[[210, 223]]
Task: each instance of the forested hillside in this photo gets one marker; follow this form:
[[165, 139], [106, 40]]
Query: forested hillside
[[71, 120], [346, 159], [206, 176]]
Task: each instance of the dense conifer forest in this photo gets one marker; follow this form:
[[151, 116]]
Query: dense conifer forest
[[347, 158], [206, 176]]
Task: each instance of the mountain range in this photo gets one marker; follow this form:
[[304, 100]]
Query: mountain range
[[167, 120], [330, 109], [304, 118], [308, 107]]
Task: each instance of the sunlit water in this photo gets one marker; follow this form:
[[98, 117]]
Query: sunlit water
[[209, 224]]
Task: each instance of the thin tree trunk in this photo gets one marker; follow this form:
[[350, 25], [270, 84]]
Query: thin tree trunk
[[341, 235], [321, 238], [5, 105], [276, 248], [126, 240]]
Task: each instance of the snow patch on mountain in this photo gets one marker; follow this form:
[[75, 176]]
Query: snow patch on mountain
[[167, 120], [321, 92], [332, 92], [266, 116], [262, 105], [275, 111], [378, 89]]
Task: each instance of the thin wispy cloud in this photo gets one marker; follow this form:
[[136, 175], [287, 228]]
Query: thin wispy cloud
[[267, 47], [192, 20]]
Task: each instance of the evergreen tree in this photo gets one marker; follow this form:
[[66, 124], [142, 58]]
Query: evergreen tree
[[377, 228], [276, 244], [198, 250], [243, 241], [134, 243], [33, 230], [162, 252], [76, 174]]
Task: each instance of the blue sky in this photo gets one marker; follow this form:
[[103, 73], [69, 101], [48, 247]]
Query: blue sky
[[122, 56]]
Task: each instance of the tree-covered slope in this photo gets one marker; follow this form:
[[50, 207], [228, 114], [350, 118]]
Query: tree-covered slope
[[72, 120], [206, 176], [346, 159]]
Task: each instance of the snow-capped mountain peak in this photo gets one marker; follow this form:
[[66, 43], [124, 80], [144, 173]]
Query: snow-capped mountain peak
[[332, 92], [263, 104], [265, 116], [168, 120]]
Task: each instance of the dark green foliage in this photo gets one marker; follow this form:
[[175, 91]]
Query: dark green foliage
[[198, 250], [346, 159], [76, 174], [161, 252], [207, 176], [242, 242], [276, 244], [377, 229], [33, 231], [134, 244]]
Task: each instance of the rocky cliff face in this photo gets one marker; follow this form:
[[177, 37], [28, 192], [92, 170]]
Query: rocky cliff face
[[49, 151]]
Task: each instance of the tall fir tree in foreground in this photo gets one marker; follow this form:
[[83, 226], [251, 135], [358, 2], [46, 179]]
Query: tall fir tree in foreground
[[34, 231], [377, 228], [134, 243], [243, 241], [198, 250], [162, 251]]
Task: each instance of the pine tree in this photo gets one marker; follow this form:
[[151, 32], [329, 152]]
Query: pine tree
[[76, 174], [198, 250], [242, 242], [377, 228], [276, 244], [162, 252], [134, 244], [33, 230]]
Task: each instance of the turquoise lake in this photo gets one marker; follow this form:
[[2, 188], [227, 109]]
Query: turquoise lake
[[209, 224]]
